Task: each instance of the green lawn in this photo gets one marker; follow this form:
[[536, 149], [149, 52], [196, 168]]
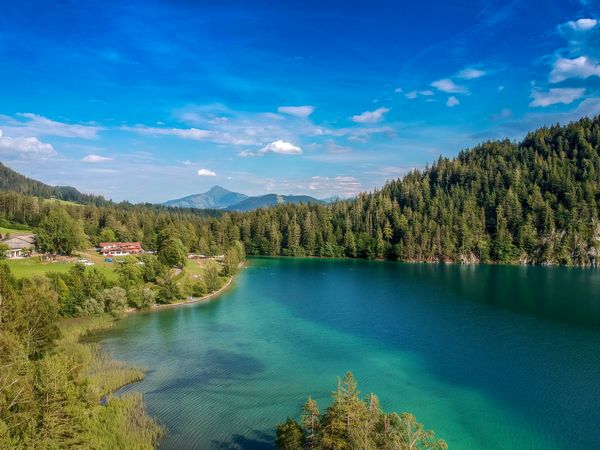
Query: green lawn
[[4, 230], [192, 267], [27, 267]]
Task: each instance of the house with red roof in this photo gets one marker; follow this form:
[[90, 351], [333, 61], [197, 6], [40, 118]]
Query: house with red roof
[[120, 248]]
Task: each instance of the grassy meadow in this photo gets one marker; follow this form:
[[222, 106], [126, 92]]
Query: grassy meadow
[[27, 267]]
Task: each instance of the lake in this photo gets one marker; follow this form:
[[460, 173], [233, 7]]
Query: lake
[[492, 357]]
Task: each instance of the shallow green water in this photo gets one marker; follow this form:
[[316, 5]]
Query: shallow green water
[[489, 357]]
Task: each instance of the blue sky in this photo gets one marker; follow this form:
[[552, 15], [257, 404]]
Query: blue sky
[[152, 100]]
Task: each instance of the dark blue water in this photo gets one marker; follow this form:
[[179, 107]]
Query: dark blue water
[[488, 356]]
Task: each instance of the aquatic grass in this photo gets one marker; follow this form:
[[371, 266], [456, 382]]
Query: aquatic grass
[[114, 421], [107, 375]]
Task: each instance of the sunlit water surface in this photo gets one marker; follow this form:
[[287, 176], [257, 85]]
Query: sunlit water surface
[[489, 357]]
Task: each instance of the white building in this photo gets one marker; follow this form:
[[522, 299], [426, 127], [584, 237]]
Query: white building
[[19, 245]]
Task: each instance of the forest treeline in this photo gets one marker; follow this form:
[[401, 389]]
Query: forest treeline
[[533, 202]]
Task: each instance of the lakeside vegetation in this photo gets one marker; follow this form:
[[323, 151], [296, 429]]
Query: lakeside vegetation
[[55, 387], [350, 422], [52, 383]]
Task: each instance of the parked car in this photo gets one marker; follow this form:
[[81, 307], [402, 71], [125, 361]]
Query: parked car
[[88, 263], [108, 260]]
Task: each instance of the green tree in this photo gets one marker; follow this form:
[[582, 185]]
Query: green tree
[[38, 316], [210, 276], [167, 291], [172, 253], [289, 435], [352, 423], [310, 423], [59, 233], [4, 249], [107, 235]]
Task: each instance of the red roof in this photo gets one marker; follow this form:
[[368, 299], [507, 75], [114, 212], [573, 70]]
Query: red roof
[[119, 244]]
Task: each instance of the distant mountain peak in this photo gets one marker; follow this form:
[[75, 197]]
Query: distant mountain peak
[[217, 197], [267, 200], [216, 189]]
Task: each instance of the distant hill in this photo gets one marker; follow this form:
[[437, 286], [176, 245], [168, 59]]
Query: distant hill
[[221, 198], [11, 181], [215, 198], [267, 200]]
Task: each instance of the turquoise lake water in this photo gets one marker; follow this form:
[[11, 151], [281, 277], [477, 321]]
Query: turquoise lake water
[[490, 357]]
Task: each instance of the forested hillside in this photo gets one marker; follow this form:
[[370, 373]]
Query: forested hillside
[[532, 202], [15, 182], [529, 202]]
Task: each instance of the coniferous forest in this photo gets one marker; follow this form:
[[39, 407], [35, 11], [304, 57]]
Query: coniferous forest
[[532, 202], [350, 422]]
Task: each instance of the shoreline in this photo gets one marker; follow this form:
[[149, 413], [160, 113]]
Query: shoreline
[[194, 300]]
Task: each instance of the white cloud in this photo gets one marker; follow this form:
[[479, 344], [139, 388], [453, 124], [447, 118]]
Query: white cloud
[[297, 111], [414, 94], [36, 125], [25, 147], [589, 107], [206, 173], [557, 95], [279, 147], [447, 85], [580, 67], [185, 133], [370, 116], [398, 90], [344, 185], [469, 73], [452, 101], [217, 136], [95, 158], [332, 147], [352, 133], [582, 24]]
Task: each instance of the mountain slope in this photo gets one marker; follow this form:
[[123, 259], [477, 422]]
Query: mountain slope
[[215, 198], [221, 198], [263, 201], [12, 181]]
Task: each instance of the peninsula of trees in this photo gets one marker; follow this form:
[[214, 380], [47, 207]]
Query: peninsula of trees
[[350, 422]]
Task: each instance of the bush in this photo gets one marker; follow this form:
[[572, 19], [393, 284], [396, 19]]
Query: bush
[[91, 307], [114, 301], [168, 291]]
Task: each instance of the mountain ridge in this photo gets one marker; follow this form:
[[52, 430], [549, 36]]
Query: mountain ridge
[[217, 197], [221, 198], [13, 181]]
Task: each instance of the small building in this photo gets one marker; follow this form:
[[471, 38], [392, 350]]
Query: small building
[[120, 248], [19, 245]]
